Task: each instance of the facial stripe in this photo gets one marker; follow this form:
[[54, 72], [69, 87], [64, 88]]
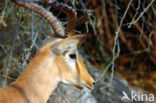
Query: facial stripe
[[84, 75]]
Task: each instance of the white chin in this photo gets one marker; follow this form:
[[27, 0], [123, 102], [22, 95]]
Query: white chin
[[85, 89]]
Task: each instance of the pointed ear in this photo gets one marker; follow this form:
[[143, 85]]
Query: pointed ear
[[69, 43]]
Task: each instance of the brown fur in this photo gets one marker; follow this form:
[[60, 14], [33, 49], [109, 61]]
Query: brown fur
[[42, 75]]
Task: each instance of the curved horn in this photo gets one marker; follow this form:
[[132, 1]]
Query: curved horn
[[69, 11], [55, 24]]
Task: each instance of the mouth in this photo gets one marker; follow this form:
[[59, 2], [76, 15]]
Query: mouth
[[84, 86], [79, 87], [89, 88]]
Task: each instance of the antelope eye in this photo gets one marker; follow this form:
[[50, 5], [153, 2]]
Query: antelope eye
[[72, 56]]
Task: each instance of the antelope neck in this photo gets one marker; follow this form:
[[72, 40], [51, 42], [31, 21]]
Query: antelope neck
[[39, 79]]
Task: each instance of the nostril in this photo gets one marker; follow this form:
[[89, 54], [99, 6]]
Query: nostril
[[93, 83]]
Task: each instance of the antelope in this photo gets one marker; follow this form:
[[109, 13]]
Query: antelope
[[56, 61]]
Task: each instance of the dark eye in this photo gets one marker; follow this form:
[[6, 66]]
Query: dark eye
[[72, 56]]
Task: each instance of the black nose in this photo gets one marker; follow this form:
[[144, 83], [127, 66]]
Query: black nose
[[93, 83]]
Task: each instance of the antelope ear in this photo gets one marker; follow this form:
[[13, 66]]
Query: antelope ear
[[69, 43]]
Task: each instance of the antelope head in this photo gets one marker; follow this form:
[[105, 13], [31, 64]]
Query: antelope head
[[64, 49], [64, 53]]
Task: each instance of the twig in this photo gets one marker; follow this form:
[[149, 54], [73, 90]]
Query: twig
[[137, 9], [5, 7], [150, 41], [143, 11], [116, 43], [89, 15], [33, 42]]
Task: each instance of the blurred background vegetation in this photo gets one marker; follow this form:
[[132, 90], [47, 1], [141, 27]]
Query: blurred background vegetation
[[121, 44]]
